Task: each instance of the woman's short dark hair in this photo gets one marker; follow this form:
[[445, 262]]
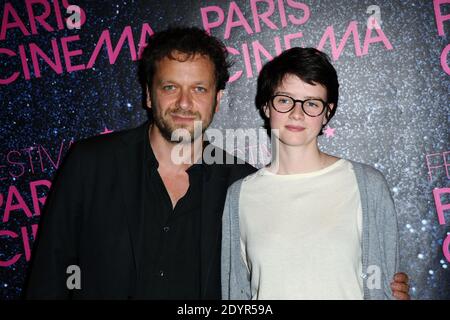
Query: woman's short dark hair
[[189, 41], [310, 65]]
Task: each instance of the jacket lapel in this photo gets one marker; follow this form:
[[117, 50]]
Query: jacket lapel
[[130, 159], [214, 191]]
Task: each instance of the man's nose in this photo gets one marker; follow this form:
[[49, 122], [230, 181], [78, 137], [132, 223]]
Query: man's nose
[[185, 99]]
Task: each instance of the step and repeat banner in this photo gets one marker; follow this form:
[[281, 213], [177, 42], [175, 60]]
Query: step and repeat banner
[[68, 70]]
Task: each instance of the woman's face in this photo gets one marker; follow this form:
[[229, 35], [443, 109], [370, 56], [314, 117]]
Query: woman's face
[[295, 128]]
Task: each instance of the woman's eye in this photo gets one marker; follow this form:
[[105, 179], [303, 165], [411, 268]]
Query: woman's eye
[[312, 104], [284, 101]]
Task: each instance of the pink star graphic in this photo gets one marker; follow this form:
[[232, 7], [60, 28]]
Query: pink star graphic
[[106, 131], [329, 132]]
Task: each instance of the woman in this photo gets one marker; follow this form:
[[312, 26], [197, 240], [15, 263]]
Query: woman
[[309, 225]]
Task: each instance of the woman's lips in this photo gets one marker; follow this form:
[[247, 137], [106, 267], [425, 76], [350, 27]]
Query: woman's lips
[[294, 128]]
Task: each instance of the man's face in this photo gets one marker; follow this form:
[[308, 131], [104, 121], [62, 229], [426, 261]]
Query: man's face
[[183, 91]]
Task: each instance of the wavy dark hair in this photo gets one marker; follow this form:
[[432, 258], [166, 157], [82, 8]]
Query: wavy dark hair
[[189, 41], [310, 65]]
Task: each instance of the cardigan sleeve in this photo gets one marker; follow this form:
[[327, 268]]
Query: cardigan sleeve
[[226, 249], [234, 274], [388, 234]]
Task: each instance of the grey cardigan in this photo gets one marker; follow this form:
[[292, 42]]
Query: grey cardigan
[[379, 239]]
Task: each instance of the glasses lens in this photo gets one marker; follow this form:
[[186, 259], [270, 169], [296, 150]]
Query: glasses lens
[[283, 103], [313, 107]]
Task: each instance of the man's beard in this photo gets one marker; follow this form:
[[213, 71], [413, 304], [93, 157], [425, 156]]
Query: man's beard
[[169, 130]]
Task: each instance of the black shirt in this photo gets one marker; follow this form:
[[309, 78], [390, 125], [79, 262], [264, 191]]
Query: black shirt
[[170, 266]]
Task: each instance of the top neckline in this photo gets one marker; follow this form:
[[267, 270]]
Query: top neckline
[[264, 171]]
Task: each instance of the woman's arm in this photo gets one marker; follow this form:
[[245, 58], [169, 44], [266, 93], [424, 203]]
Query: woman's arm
[[234, 273], [226, 250], [388, 227]]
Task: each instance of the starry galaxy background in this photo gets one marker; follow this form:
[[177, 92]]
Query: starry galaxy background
[[393, 111]]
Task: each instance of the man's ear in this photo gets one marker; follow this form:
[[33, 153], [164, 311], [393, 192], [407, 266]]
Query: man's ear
[[328, 111], [149, 100], [219, 95]]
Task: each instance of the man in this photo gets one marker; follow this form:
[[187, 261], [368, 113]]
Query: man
[[136, 220], [137, 224]]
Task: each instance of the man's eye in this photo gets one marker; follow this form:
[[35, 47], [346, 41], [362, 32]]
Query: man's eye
[[168, 87], [200, 89]]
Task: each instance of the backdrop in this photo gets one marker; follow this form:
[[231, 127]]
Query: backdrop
[[71, 72]]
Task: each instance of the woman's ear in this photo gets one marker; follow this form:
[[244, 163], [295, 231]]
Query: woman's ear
[[266, 111], [327, 114]]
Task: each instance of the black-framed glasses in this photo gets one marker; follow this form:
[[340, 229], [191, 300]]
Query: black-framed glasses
[[311, 107]]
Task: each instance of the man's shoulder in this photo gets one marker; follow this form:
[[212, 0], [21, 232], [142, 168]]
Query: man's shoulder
[[231, 162], [104, 144]]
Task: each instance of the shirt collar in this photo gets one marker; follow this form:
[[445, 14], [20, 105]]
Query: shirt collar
[[152, 162]]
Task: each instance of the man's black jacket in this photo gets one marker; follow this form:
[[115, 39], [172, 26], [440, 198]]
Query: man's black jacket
[[93, 220]]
